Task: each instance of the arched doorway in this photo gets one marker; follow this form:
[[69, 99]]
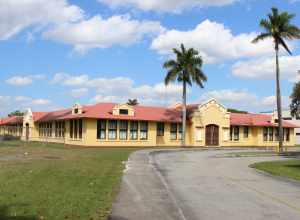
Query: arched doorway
[[27, 132], [212, 135]]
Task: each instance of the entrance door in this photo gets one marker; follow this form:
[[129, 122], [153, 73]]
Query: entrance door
[[27, 132], [212, 135]]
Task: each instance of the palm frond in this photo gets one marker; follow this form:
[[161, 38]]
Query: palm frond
[[185, 68], [171, 76], [282, 43], [261, 37]]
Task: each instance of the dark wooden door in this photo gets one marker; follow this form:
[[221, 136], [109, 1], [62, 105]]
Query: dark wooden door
[[212, 135]]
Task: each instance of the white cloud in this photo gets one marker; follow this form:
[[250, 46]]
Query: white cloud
[[40, 102], [77, 93], [69, 80], [25, 80], [17, 15], [98, 32], [264, 68], [120, 89], [214, 41], [166, 5], [157, 94], [243, 99], [4, 101], [12, 103]]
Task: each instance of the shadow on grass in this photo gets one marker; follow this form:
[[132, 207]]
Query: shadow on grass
[[291, 154], [296, 166], [5, 215]]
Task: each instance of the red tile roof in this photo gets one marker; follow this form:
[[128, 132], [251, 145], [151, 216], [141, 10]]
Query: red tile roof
[[104, 111], [11, 120], [240, 119], [38, 115], [150, 113]]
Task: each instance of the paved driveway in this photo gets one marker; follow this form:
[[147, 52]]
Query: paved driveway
[[202, 185]]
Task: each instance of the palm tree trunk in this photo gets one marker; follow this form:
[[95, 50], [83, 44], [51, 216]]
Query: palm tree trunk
[[183, 114], [278, 95]]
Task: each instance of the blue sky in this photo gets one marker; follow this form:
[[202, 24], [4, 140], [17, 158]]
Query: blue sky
[[56, 53]]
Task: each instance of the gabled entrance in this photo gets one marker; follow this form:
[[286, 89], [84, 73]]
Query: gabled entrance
[[212, 135]]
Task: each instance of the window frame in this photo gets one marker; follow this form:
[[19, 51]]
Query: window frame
[[123, 111], [101, 129], [271, 134], [246, 132], [265, 134], [160, 129], [173, 131], [236, 133], [287, 135], [112, 130], [144, 130], [180, 131], [80, 128], [133, 130], [123, 129]]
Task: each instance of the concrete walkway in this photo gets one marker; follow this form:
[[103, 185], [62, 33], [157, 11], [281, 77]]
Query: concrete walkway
[[193, 185]]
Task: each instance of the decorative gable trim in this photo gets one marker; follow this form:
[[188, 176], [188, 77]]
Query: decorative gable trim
[[76, 109], [123, 109]]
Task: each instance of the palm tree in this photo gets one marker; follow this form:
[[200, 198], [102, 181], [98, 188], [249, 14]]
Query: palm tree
[[295, 101], [185, 69], [279, 28], [132, 102]]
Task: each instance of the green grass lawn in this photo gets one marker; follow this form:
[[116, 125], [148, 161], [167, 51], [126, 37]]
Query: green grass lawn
[[288, 168], [49, 181]]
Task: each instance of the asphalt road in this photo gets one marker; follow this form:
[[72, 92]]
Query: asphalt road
[[202, 185]]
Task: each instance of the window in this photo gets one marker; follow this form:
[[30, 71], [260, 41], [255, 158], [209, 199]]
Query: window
[[101, 129], [76, 111], [265, 134], [63, 129], [76, 129], [80, 128], [112, 129], [123, 130], [40, 130], [246, 132], [276, 134], [236, 132], [173, 131], [134, 130], [49, 129], [45, 129], [71, 128], [271, 134], [180, 131], [297, 134], [59, 129], [160, 129], [287, 135], [231, 132], [143, 130], [123, 111]]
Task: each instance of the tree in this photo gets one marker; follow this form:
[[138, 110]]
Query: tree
[[185, 69], [295, 101], [132, 102], [232, 110], [279, 28], [16, 113]]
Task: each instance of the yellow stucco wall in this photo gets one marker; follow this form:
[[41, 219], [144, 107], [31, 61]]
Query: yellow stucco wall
[[210, 113]]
